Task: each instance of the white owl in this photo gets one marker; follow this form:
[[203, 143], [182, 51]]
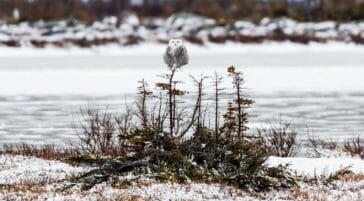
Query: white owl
[[176, 54]]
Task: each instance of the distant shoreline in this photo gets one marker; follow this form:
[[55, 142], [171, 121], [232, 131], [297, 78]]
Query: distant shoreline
[[197, 30]]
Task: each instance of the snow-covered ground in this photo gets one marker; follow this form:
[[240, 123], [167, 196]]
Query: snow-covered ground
[[29, 170], [28, 178], [319, 166]]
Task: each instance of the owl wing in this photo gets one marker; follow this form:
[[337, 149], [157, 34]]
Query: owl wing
[[181, 56], [168, 57]]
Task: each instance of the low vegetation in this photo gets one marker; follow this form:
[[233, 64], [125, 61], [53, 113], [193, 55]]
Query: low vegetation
[[280, 138], [170, 142], [355, 147], [49, 152]]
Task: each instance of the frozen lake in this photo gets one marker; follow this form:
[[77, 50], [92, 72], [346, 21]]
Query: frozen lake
[[316, 86]]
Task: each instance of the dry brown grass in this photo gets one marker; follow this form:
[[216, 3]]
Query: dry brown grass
[[193, 39], [85, 43], [280, 138], [357, 39], [82, 42], [132, 197], [280, 37], [304, 39], [250, 39], [10, 43], [38, 43], [134, 40], [355, 147], [40, 192], [32, 192], [25, 187], [221, 39], [49, 152], [352, 177], [297, 193]]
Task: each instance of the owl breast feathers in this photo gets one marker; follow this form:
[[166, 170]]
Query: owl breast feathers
[[176, 54]]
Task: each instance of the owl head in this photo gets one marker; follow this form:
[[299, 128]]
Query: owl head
[[175, 43]]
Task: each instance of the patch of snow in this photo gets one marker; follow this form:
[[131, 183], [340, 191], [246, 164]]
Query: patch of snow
[[349, 28], [110, 20], [243, 25], [319, 166], [324, 26], [218, 31], [187, 22], [31, 170], [265, 21], [131, 19], [288, 30], [286, 23], [330, 33]]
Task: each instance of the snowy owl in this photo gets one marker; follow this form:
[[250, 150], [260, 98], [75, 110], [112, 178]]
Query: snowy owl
[[176, 54]]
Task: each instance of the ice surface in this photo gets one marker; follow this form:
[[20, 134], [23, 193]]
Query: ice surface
[[319, 85], [268, 67]]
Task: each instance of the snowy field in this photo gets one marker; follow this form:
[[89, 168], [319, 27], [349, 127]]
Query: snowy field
[[29, 178], [316, 85]]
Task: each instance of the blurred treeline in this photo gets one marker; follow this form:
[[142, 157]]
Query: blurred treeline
[[229, 10]]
